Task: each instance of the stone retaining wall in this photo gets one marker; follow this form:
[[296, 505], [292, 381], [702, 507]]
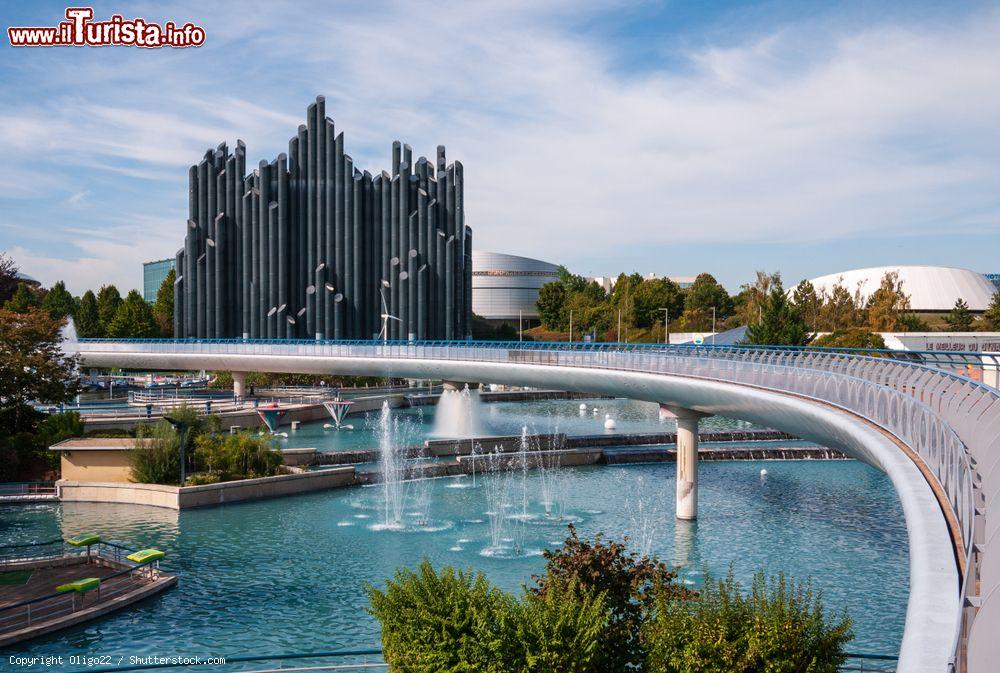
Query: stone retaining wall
[[175, 497]]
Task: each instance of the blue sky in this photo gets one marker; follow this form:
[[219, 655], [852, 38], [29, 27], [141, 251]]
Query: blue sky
[[670, 137]]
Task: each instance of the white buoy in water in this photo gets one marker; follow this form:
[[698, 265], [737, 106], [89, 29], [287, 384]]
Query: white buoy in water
[[596, 410], [609, 423], [763, 472], [583, 407]]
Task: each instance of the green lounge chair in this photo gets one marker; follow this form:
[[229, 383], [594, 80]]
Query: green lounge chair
[[80, 585]]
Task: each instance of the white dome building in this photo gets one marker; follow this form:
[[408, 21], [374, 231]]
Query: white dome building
[[931, 288], [505, 287]]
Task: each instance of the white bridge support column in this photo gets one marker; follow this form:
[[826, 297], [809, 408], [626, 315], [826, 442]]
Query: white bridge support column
[[239, 384], [687, 459]]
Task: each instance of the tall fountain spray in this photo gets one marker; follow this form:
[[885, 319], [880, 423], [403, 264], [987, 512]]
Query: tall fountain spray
[[458, 414], [645, 517], [390, 467]]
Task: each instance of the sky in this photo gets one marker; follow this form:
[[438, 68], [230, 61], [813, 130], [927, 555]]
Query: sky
[[804, 137]]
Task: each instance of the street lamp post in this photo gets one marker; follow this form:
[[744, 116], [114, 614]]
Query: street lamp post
[[183, 428], [619, 337], [520, 326], [571, 325], [666, 325], [713, 325]]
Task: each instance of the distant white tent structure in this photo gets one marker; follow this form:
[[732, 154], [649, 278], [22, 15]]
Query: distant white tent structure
[[930, 288]]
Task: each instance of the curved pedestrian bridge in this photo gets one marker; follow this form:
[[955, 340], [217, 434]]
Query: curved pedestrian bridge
[[935, 433]]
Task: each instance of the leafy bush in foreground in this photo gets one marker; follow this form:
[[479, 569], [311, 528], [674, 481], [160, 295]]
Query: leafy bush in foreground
[[443, 623], [779, 627], [457, 622], [601, 609], [629, 584]]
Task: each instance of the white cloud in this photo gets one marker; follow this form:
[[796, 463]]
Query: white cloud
[[76, 198]]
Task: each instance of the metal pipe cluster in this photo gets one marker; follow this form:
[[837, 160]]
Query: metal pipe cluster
[[307, 245]]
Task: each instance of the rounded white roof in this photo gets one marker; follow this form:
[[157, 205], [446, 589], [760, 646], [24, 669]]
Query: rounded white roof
[[931, 288], [484, 260]]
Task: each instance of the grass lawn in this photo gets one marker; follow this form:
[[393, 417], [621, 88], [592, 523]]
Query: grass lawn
[[14, 577]]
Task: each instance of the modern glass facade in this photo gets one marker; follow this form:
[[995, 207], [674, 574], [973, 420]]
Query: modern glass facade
[[153, 274]]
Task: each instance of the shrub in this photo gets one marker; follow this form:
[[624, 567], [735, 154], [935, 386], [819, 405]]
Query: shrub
[[156, 458], [457, 622], [629, 584], [238, 456], [452, 622], [779, 627], [201, 478], [59, 427], [561, 629]]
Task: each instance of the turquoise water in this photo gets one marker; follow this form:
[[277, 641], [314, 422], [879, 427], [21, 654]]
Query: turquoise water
[[501, 418], [286, 575]]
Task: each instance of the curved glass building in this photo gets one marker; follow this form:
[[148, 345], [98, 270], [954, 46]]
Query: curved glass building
[[505, 287]]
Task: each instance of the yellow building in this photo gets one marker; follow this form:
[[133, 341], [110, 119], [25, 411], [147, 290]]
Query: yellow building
[[96, 458]]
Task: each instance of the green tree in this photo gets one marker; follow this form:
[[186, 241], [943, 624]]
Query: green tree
[[841, 310], [571, 281], [33, 368], [58, 301], [706, 293], [108, 301], [623, 297], [887, 304], [591, 312], [163, 309], [991, 317], [752, 298], [855, 337], [8, 278], [809, 303], [25, 299], [652, 296], [959, 319], [781, 323], [133, 319], [88, 322], [911, 322], [551, 305]]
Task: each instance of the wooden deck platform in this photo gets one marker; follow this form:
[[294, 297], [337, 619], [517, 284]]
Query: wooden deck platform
[[121, 585], [43, 581]]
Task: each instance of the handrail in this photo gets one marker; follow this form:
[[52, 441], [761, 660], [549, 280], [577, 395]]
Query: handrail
[[361, 652], [368, 652]]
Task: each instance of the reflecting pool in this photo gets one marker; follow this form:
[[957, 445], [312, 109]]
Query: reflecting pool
[[286, 575]]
